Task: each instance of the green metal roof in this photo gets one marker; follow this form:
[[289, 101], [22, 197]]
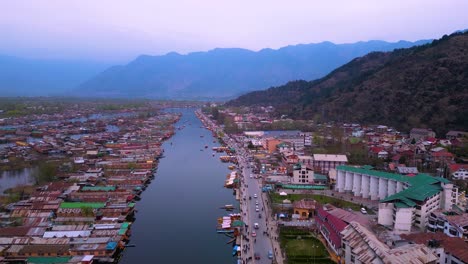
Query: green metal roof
[[80, 205], [307, 187], [99, 188], [320, 176], [368, 171], [421, 186], [50, 260]]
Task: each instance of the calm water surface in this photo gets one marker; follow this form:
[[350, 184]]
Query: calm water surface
[[13, 178], [177, 216]]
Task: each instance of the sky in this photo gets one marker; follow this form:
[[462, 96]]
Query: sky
[[118, 31]]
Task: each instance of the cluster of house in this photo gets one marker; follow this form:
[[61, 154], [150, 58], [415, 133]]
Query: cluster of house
[[86, 215]]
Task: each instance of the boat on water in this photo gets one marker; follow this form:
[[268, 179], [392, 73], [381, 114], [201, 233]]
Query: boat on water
[[206, 146], [228, 207]]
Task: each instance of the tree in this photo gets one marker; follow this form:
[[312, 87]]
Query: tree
[[87, 211], [46, 173]]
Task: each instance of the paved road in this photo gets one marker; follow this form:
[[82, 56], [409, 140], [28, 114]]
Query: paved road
[[251, 187], [255, 208]]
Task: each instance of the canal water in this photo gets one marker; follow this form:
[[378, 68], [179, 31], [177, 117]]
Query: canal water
[[177, 216], [13, 178]]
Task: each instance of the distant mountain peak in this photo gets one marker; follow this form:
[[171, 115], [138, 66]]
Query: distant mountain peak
[[225, 72]]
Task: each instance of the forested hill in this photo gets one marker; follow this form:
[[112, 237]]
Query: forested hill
[[423, 86]]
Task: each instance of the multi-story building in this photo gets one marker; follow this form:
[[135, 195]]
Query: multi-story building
[[405, 201], [360, 245], [306, 160], [450, 223], [302, 174], [460, 174], [323, 163]]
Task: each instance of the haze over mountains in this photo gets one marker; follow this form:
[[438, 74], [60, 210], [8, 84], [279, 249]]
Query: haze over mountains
[[222, 73], [424, 86], [30, 77]]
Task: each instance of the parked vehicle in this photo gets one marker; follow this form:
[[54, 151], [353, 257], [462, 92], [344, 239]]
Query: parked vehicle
[[363, 211], [256, 226], [257, 256], [270, 254]]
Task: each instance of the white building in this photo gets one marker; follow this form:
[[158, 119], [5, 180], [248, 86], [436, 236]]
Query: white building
[[325, 162], [405, 201], [303, 175], [451, 224], [460, 174]]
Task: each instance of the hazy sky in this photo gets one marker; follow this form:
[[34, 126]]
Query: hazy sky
[[112, 30]]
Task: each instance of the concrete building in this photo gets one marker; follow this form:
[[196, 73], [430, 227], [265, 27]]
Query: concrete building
[[306, 160], [460, 174], [450, 250], [302, 174], [405, 201], [450, 223], [323, 163], [359, 245]]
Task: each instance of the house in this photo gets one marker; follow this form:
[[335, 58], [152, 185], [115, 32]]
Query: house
[[456, 134], [361, 246], [442, 157], [459, 171], [452, 250], [305, 208], [290, 158], [421, 133], [330, 227]]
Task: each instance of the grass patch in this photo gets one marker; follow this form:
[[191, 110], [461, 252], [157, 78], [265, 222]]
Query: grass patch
[[276, 198], [302, 247]]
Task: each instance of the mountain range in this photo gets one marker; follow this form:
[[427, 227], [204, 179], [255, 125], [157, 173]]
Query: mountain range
[[224, 73], [34, 77], [423, 86]]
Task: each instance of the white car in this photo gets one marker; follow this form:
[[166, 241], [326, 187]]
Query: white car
[[257, 209], [363, 211], [256, 202], [255, 195]]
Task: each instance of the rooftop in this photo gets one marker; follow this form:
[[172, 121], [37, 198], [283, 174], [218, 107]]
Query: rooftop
[[369, 249], [454, 245]]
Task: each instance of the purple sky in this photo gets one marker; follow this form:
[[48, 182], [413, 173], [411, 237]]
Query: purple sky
[[118, 31]]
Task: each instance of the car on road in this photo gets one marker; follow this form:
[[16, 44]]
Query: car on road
[[257, 209], [255, 195], [257, 256], [363, 211], [256, 202], [259, 215], [254, 234], [256, 225], [270, 254]]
